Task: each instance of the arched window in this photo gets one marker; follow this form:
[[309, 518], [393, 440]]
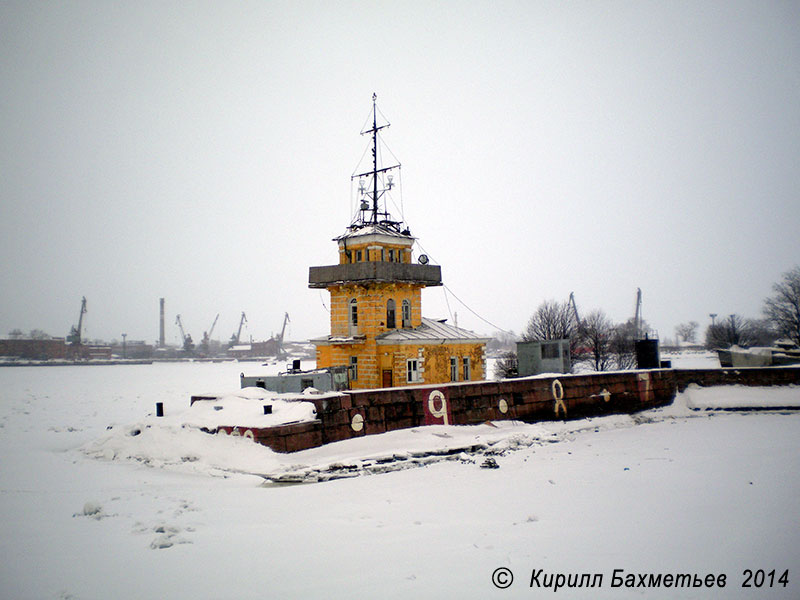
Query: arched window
[[390, 314], [406, 314]]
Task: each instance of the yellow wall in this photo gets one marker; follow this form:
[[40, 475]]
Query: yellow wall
[[373, 359], [371, 252], [371, 302]]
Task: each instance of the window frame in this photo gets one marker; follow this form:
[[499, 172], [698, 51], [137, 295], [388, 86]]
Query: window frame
[[352, 313], [353, 367], [406, 314], [412, 370], [391, 314]]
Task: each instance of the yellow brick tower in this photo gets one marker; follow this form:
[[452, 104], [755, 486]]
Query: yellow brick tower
[[377, 328]]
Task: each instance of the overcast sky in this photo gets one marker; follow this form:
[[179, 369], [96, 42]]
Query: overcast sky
[[202, 152]]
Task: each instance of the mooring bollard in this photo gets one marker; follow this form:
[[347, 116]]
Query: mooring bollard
[[159, 409], [268, 409]]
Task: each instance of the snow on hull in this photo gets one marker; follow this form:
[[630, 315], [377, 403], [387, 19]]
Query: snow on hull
[[184, 444]]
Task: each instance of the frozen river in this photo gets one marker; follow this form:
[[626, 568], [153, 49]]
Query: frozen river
[[91, 511]]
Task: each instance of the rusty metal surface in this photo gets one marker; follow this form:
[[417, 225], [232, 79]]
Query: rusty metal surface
[[531, 400]]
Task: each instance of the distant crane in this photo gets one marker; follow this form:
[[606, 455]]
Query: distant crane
[[571, 304], [74, 336], [188, 344], [235, 337], [207, 336], [283, 330]]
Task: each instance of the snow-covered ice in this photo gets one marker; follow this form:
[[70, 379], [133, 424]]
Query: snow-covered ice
[[101, 499]]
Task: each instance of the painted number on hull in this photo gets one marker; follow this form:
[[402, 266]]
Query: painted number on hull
[[558, 396], [438, 409]]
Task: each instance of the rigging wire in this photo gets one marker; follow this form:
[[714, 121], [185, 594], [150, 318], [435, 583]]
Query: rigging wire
[[323, 302], [366, 124], [447, 301], [474, 313], [360, 160], [402, 208], [382, 115], [447, 289]]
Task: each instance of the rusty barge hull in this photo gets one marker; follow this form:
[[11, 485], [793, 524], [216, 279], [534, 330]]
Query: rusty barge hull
[[354, 414]]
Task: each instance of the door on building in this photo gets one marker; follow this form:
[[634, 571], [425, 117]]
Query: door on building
[[387, 378]]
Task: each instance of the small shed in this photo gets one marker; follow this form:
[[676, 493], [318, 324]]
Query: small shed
[[543, 356]]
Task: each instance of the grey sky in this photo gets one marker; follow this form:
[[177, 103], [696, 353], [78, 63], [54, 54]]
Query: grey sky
[[202, 151]]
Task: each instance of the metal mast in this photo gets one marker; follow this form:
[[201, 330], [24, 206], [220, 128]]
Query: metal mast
[[374, 160], [376, 193]]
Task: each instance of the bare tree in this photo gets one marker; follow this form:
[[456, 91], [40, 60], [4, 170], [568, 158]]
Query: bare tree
[[506, 366], [763, 332], [783, 307], [553, 320], [687, 331], [623, 343], [737, 331], [597, 332]]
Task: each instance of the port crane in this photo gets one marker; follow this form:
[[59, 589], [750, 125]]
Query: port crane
[[207, 336], [188, 344], [235, 337], [571, 304], [74, 336], [283, 331]]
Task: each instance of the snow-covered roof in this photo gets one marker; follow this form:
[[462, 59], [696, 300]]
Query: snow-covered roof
[[431, 330], [339, 339], [377, 230]]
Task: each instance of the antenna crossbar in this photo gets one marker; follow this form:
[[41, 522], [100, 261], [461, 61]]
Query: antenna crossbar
[[374, 171]]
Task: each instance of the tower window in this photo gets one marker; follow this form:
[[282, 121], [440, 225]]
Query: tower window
[[391, 254], [358, 255], [353, 368], [466, 368], [406, 314], [453, 368], [390, 314], [353, 312]]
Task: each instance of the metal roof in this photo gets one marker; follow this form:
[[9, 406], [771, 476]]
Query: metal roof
[[431, 330]]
